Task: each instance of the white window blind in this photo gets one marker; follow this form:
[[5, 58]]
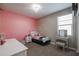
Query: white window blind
[[65, 23]]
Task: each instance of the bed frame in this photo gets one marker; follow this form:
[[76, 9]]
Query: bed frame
[[41, 42]]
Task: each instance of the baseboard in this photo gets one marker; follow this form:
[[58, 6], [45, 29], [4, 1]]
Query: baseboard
[[77, 51], [52, 43], [74, 49]]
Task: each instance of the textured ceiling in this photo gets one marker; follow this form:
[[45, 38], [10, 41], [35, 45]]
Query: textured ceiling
[[25, 8]]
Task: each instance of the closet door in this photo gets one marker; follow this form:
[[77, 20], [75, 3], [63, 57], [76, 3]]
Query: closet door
[[78, 29], [75, 23]]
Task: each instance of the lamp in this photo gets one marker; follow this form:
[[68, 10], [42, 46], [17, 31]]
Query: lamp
[[36, 7]]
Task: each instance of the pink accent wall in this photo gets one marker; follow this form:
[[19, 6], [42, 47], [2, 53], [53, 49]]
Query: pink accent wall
[[15, 25]]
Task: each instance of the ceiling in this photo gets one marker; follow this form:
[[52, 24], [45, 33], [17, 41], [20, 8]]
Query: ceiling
[[25, 8]]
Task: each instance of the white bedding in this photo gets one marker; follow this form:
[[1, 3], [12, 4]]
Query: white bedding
[[45, 39]]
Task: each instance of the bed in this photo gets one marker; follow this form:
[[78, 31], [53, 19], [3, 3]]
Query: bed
[[41, 40]]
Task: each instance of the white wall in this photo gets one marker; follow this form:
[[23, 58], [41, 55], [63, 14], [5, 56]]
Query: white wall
[[48, 25]]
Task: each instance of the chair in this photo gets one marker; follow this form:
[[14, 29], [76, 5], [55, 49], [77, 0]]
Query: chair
[[2, 37]]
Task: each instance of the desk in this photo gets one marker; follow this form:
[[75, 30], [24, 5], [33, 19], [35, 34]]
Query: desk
[[62, 41], [13, 47]]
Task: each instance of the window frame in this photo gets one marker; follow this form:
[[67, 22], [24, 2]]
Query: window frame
[[65, 24]]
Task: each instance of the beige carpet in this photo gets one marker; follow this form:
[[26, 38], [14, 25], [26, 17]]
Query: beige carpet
[[48, 50]]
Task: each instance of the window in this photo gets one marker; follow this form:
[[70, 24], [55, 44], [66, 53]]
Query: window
[[65, 23]]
